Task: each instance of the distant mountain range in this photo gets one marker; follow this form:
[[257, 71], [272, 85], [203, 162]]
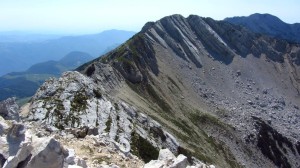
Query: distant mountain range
[[17, 36], [18, 56], [270, 25], [24, 84]]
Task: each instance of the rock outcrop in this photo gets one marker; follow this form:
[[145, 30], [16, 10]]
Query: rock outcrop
[[30, 146], [19, 148], [9, 109], [75, 104], [167, 159]]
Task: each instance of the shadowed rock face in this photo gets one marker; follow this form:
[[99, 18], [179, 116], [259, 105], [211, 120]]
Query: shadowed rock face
[[191, 85], [274, 145]]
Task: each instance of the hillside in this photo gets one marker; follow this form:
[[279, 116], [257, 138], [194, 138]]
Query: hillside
[[19, 56], [199, 87], [270, 25], [24, 84]]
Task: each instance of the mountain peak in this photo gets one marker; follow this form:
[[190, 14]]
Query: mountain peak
[[268, 24], [267, 18]]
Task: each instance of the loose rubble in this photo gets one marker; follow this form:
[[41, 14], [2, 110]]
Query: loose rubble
[[167, 159]]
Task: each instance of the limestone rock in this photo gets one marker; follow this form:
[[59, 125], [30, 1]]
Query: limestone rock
[[74, 161], [70, 159], [23, 154], [73, 166], [47, 152], [180, 162], [19, 147], [22, 149], [15, 136], [167, 159], [3, 126], [9, 109], [166, 155], [155, 164], [81, 162], [70, 104]]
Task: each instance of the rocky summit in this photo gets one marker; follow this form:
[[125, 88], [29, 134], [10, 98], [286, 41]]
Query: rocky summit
[[183, 92]]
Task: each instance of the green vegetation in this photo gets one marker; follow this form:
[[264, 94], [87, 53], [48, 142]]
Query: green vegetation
[[57, 113], [17, 87], [156, 98], [72, 119], [90, 70], [189, 154], [25, 84], [181, 124], [23, 101], [124, 60], [63, 118], [197, 142], [118, 52], [199, 117], [108, 124], [79, 102], [116, 107], [97, 93], [142, 148], [137, 41], [174, 83], [101, 159], [87, 148]]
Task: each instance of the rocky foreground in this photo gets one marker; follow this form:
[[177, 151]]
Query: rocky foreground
[[30, 144]]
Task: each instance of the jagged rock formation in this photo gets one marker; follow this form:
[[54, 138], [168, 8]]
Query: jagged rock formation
[[206, 89], [167, 159], [9, 109], [20, 149], [29, 145], [35, 144], [75, 103]]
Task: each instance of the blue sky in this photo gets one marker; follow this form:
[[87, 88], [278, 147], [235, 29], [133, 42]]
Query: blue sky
[[92, 16]]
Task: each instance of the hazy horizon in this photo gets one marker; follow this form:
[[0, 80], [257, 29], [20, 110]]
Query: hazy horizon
[[94, 16]]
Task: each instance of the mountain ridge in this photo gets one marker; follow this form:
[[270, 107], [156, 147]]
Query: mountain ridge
[[268, 24], [203, 88]]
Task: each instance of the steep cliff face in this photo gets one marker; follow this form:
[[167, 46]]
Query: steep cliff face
[[224, 92]]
